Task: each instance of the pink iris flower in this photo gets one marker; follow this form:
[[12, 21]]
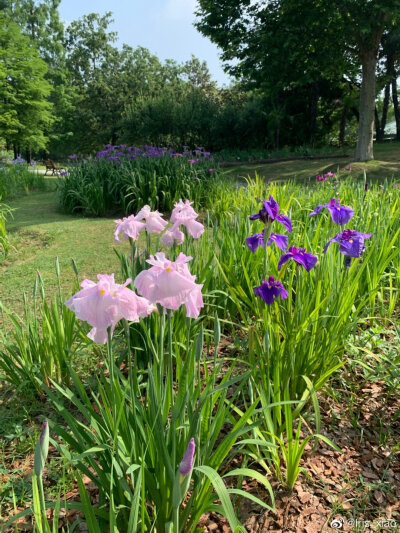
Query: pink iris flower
[[170, 284], [130, 228], [173, 236], [184, 214], [105, 303], [154, 221]]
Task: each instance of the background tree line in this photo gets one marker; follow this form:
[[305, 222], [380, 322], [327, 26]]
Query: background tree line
[[300, 69], [323, 51], [71, 89]]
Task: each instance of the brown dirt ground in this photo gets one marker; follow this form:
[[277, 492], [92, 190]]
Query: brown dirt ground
[[359, 487]]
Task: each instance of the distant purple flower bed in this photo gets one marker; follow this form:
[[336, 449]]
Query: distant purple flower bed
[[122, 152], [120, 178]]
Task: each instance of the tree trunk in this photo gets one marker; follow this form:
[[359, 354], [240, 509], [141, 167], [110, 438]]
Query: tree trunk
[[377, 126], [365, 141], [342, 128], [395, 99], [386, 100]]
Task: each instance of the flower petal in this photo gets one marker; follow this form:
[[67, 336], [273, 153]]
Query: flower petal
[[285, 221], [318, 209], [283, 259], [255, 241], [281, 241], [341, 214]]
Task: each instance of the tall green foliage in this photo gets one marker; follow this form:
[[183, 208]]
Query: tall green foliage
[[101, 186]]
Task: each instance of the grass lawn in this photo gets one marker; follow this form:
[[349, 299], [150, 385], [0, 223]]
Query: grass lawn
[[40, 233], [385, 165]]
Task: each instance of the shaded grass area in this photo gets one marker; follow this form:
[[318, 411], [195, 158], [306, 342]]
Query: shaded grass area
[[385, 165]]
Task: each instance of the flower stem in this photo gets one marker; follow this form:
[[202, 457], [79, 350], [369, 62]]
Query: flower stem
[[161, 346], [42, 502], [171, 382], [133, 262], [176, 519], [132, 369], [267, 233], [148, 240], [111, 369]]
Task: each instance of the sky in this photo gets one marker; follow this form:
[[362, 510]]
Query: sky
[[165, 27]]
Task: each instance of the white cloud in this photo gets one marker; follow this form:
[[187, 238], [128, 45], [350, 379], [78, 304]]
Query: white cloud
[[180, 9]]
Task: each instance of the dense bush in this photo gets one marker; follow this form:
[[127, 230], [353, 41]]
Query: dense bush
[[122, 179], [216, 119]]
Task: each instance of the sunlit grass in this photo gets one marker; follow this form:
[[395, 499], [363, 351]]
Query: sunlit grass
[[39, 233], [385, 165]]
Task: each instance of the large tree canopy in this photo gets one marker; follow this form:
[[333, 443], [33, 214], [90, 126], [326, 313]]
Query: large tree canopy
[[278, 45], [25, 112], [40, 22]]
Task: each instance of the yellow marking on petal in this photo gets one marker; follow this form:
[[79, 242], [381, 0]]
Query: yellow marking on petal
[[168, 269], [102, 291], [351, 241]]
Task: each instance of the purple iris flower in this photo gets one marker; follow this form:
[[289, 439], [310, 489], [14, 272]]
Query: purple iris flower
[[45, 424], [308, 261], [257, 240], [186, 465], [270, 289], [340, 214], [351, 242], [270, 212]]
